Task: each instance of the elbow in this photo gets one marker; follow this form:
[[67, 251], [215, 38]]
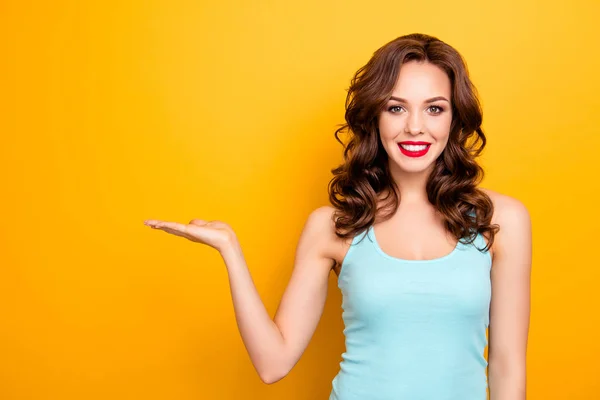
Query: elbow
[[273, 374], [271, 377], [505, 373], [273, 369], [269, 380], [508, 366]]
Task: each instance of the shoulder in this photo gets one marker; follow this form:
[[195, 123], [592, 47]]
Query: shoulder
[[507, 209], [513, 218], [321, 220], [321, 224]]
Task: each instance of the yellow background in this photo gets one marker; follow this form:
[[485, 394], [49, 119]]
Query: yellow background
[[114, 112]]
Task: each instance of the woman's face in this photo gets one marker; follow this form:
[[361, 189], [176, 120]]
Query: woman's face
[[418, 111]]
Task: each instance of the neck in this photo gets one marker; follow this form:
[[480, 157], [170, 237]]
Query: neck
[[412, 185]]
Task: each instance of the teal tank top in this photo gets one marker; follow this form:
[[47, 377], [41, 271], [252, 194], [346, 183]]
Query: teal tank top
[[414, 329]]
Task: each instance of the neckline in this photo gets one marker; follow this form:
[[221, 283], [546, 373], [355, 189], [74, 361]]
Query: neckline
[[371, 234]]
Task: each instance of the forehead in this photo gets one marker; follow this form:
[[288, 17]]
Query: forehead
[[421, 80]]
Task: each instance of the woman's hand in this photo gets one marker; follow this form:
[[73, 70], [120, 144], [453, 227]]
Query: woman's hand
[[216, 234]]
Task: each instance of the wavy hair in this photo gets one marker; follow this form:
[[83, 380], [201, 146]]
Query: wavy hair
[[361, 180]]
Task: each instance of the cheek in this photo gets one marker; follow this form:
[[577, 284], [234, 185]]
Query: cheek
[[442, 139], [444, 142], [387, 127], [440, 129]]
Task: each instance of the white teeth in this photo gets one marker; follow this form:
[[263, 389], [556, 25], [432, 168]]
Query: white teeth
[[411, 147]]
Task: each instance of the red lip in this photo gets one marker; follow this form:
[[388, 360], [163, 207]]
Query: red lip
[[414, 153]]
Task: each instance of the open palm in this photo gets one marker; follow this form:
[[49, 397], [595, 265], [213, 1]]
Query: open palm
[[215, 234]]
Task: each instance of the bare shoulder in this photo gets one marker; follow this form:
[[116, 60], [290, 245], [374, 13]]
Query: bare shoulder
[[512, 216], [506, 207], [323, 226]]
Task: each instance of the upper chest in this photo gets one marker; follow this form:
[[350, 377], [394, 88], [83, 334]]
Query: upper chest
[[409, 235], [412, 234]]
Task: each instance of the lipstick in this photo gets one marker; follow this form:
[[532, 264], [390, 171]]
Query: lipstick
[[414, 153]]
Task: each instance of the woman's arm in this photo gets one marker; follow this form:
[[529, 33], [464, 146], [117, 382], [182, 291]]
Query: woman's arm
[[510, 305], [275, 346]]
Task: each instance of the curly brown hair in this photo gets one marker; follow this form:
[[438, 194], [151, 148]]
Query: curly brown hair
[[364, 177]]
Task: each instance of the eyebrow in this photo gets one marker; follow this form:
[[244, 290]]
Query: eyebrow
[[431, 100]]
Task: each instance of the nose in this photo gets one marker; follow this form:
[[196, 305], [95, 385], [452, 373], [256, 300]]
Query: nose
[[414, 124]]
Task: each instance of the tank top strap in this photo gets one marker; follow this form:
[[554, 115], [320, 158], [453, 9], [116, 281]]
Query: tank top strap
[[365, 242]]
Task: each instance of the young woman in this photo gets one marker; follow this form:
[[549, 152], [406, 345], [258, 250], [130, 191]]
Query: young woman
[[426, 260]]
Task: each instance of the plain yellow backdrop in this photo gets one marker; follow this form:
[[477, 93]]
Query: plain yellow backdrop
[[114, 112]]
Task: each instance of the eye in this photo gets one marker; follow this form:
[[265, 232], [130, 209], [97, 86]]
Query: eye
[[439, 109], [392, 108]]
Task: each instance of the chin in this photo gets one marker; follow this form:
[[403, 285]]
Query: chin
[[415, 170], [415, 163], [415, 167]]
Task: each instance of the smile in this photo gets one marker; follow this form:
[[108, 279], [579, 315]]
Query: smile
[[414, 150]]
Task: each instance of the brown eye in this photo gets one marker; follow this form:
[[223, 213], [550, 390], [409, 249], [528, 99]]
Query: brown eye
[[392, 108], [438, 109]]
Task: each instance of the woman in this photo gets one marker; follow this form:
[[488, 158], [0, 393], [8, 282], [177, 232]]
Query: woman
[[418, 247]]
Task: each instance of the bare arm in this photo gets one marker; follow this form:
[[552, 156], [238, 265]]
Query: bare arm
[[510, 307], [275, 346]]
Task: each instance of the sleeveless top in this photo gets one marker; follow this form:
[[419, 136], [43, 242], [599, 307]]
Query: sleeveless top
[[414, 329]]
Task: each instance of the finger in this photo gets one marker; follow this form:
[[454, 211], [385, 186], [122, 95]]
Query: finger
[[198, 222], [176, 226], [153, 222], [175, 232]]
